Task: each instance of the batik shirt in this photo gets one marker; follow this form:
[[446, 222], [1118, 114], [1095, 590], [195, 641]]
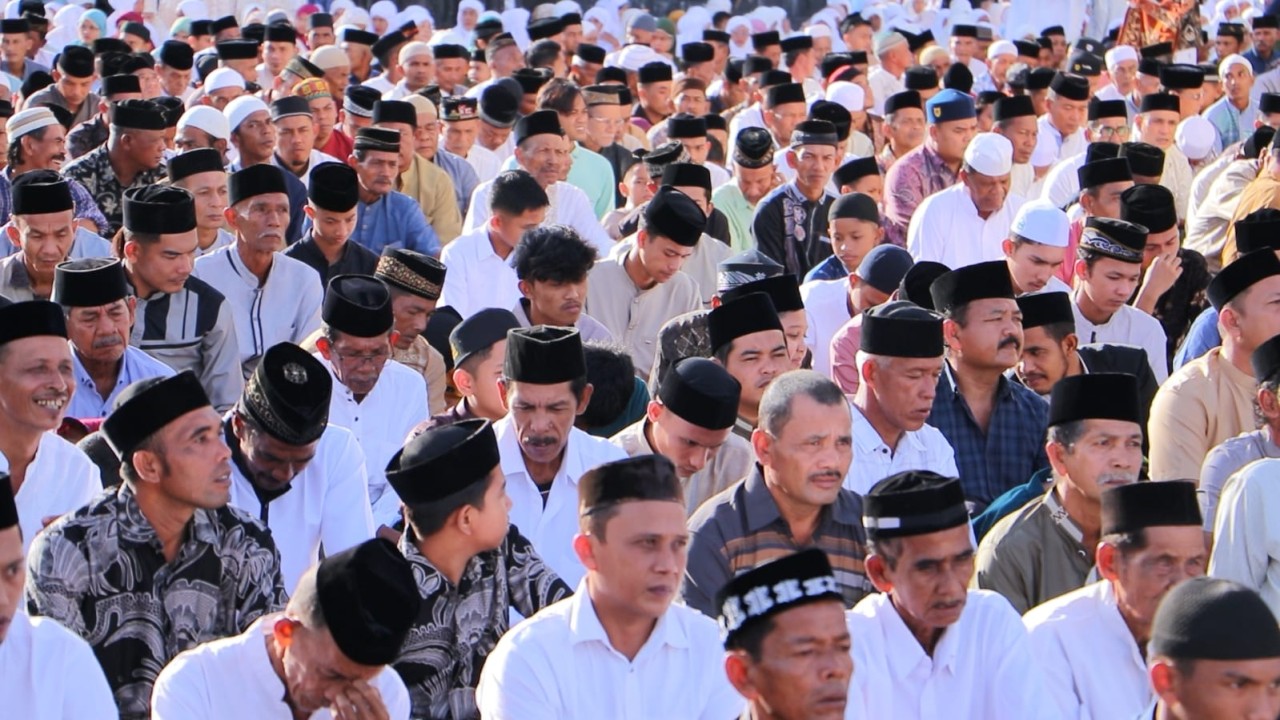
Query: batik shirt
[[914, 177], [792, 229], [94, 171], [458, 626], [101, 572]]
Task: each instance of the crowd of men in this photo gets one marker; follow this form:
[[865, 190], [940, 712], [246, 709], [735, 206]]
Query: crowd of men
[[863, 360]]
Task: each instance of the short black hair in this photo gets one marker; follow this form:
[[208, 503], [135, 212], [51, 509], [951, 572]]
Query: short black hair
[[542, 53], [559, 95], [516, 192], [1059, 331], [553, 253], [750, 637], [427, 519], [612, 375]]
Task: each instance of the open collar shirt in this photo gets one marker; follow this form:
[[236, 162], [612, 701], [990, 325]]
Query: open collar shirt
[[135, 365], [915, 176], [946, 228], [1246, 541], [873, 460], [478, 278]]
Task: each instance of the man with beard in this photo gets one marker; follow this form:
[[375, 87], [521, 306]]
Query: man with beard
[[171, 504], [132, 157], [376, 398], [415, 281], [927, 646], [43, 229], [1091, 642], [544, 388], [100, 313], [793, 499], [38, 141], [1094, 443], [301, 477]]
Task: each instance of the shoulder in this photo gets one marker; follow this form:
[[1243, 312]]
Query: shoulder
[[403, 376], [239, 528], [1016, 531], [201, 288], [596, 448], [549, 629], [719, 509], [1191, 376]]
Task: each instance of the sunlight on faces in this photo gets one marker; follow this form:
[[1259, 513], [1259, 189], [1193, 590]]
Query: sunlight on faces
[[1032, 264], [953, 137], [928, 578], [1158, 127], [14, 47], [991, 337], [411, 315], [554, 301], [545, 156], [330, 226], [635, 566], [36, 382], [988, 192], [460, 135], [543, 416], [903, 388], [907, 129], [782, 119], [1253, 317], [320, 37], [689, 446], [165, 265], [325, 112], [1141, 578], [810, 455], [45, 239], [604, 122], [101, 334], [1219, 689], [337, 78], [74, 90], [1107, 454], [1164, 243], [1110, 283], [187, 462], [419, 71], [656, 97], [660, 257], [574, 122], [277, 54], [635, 185], [256, 136], [295, 139], [814, 165], [754, 360], [1238, 82], [357, 361], [852, 239], [260, 221], [698, 148], [272, 463], [174, 81], [1044, 360], [479, 383], [795, 325], [315, 670]]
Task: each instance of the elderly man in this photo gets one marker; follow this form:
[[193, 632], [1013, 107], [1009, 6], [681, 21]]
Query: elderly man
[[895, 56], [1091, 642], [1122, 69], [790, 222], [932, 167], [1108, 122], [386, 217], [37, 141], [424, 182], [1157, 124], [43, 230], [415, 281], [330, 651], [132, 157], [903, 128], [254, 137], [171, 504], [1094, 443]]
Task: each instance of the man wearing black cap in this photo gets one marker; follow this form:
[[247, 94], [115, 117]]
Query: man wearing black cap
[[174, 61], [386, 217], [544, 388], [320, 30], [472, 567], [376, 398], [631, 503], [759, 636], [754, 176], [1108, 268], [1108, 122], [132, 157], [746, 337], [1060, 127], [924, 645], [461, 122], [1085, 641], [606, 107], [790, 222], [358, 45], [478, 346], [273, 298], [172, 504], [331, 212], [201, 172], [72, 82], [415, 281], [100, 312], [1157, 124], [903, 128], [329, 650], [1186, 82], [427, 184], [295, 135], [653, 95], [43, 230]]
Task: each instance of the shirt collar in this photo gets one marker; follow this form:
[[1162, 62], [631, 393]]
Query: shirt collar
[[585, 626], [905, 651], [511, 458], [868, 440], [1004, 389]]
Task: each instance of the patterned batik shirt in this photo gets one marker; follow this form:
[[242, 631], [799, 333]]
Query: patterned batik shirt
[[101, 572], [914, 177], [94, 171], [458, 627], [792, 229]]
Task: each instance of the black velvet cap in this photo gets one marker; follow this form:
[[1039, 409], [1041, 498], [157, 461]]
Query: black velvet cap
[[590, 53], [32, 318], [77, 61], [531, 80], [1099, 109], [480, 331], [1257, 230], [236, 50], [8, 508], [913, 503], [1144, 159], [281, 32], [225, 22], [443, 461], [762, 40], [129, 28], [854, 206], [1207, 618], [610, 74], [384, 46], [644, 477], [449, 51], [684, 125], [290, 106], [110, 45], [833, 112], [1231, 29], [571, 18], [770, 78], [1095, 396], [288, 395], [254, 31], [1257, 142], [160, 210], [1150, 206], [89, 282], [1266, 359], [40, 192], [719, 36], [377, 139], [854, 170], [369, 600], [333, 187], [1040, 78], [1046, 308], [973, 282], [783, 290], [701, 392], [917, 282], [958, 77], [814, 132], [544, 355], [697, 52], [754, 64], [147, 406], [1241, 274], [774, 587], [359, 100], [175, 54], [833, 62], [1085, 63], [1181, 77], [257, 180], [671, 213], [903, 100], [1269, 103], [901, 329], [739, 316], [541, 122], [1265, 21], [171, 109], [790, 92], [654, 72], [137, 115], [687, 174], [120, 85], [1070, 86], [1160, 101], [753, 148], [395, 111], [319, 20], [1027, 48], [202, 28], [1115, 238], [920, 77], [544, 28], [796, 43], [412, 272], [1009, 107], [358, 305], [1141, 505]]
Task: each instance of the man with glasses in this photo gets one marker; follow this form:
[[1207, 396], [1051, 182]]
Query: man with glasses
[[1108, 123]]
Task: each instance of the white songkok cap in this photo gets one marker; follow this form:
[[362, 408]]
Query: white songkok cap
[[1233, 59], [989, 154], [1002, 47], [241, 108], [223, 78], [1119, 54], [850, 95], [1195, 137], [330, 57], [412, 50], [1043, 222], [30, 120], [207, 119]]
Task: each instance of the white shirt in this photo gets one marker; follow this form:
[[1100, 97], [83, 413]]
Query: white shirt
[[981, 669], [327, 502], [478, 278], [883, 84], [569, 206], [560, 665], [923, 449], [48, 672], [551, 528], [1244, 548], [1062, 185], [379, 82], [1021, 179], [316, 158], [224, 239], [233, 678], [60, 478], [946, 228], [750, 117], [1092, 667], [826, 309], [1063, 147], [135, 365], [484, 161], [285, 308], [1178, 177], [380, 423], [1129, 326]]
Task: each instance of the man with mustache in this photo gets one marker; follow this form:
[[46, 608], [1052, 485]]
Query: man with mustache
[[794, 497], [191, 568], [618, 646], [552, 265], [1094, 443], [544, 388], [272, 297], [386, 217], [39, 142], [202, 173], [995, 425], [1091, 642], [926, 646], [100, 313]]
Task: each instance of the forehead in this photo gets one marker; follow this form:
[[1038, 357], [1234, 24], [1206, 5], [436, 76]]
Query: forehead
[[647, 517], [765, 340], [814, 619], [212, 178], [992, 306], [265, 199], [937, 545], [45, 220], [538, 394], [188, 423], [42, 348], [1110, 428]]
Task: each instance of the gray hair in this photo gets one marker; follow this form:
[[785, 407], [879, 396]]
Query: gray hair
[[775, 405]]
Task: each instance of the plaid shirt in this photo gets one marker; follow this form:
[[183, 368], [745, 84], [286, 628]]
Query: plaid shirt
[[1009, 451], [914, 177]]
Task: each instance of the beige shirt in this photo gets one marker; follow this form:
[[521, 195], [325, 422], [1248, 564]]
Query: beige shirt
[[731, 463], [1205, 402], [429, 363], [633, 315], [1177, 178], [703, 265]]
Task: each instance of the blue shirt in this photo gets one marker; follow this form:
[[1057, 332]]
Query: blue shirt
[[1013, 499], [829, 269], [1259, 64], [1230, 123], [136, 365], [1011, 449], [463, 175], [1201, 337], [394, 220]]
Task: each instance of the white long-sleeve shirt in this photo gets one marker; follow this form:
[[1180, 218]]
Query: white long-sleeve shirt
[[946, 228], [48, 672], [477, 278], [923, 449], [569, 206], [1063, 146], [60, 479], [1246, 535], [826, 308], [1062, 183], [1128, 326]]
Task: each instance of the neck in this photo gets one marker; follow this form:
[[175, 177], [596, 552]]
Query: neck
[[927, 635], [206, 237], [500, 248], [1084, 512], [1090, 310], [124, 169], [368, 197], [447, 554], [866, 403], [18, 445], [168, 518], [331, 251], [1240, 104], [1074, 365], [104, 373], [276, 655], [801, 517], [1140, 629], [976, 383], [140, 288], [543, 472], [637, 273], [258, 263], [41, 282], [1238, 355], [536, 317], [811, 193], [590, 144], [627, 632], [750, 414]]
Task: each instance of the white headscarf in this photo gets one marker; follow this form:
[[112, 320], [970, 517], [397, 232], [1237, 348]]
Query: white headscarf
[[65, 27], [516, 22], [690, 26]]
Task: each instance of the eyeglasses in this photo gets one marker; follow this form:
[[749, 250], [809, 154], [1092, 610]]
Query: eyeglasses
[[376, 358], [1105, 132]]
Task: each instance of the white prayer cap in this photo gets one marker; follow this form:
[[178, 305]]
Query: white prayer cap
[[241, 108], [384, 9], [850, 95], [207, 119], [565, 7], [30, 120], [422, 105], [990, 154], [1119, 54], [413, 49], [329, 57], [818, 30], [1002, 47], [1043, 222], [356, 16], [1233, 59], [223, 78], [194, 9], [634, 57], [250, 13], [1195, 137]]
